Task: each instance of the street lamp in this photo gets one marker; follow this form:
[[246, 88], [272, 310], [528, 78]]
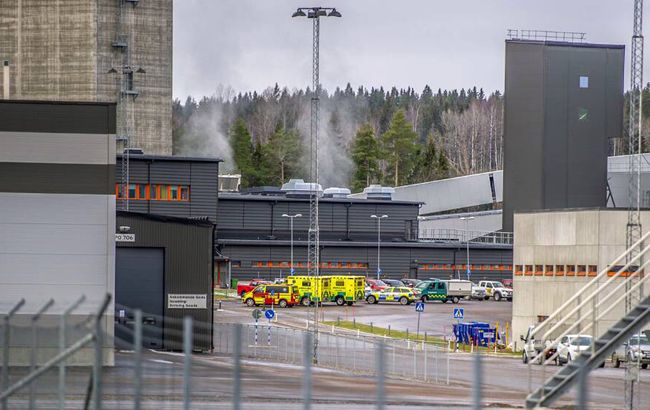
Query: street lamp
[[379, 218], [466, 219], [291, 217]]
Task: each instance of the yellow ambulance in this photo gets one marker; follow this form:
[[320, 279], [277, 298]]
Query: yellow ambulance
[[339, 289]]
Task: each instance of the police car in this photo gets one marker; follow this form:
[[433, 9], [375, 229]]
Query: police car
[[402, 295]]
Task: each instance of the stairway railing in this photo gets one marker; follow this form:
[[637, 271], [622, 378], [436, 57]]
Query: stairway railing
[[587, 302]]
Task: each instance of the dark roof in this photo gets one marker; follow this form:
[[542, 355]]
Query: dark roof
[[275, 198], [153, 158], [203, 221], [566, 44]]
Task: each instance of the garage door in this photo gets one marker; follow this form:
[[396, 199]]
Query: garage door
[[139, 277]]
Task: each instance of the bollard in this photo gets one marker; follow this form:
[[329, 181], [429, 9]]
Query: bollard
[[407, 334], [371, 329], [219, 308], [338, 321], [354, 322], [388, 330]]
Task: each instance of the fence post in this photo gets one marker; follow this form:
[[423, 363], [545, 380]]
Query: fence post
[[32, 365], [62, 345], [477, 382], [306, 363], [582, 387], [137, 348], [98, 339], [379, 347], [187, 362], [236, 391], [5, 349]]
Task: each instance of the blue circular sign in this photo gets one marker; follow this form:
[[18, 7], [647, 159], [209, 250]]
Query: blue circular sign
[[270, 314]]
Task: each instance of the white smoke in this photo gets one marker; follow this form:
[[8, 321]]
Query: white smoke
[[204, 137]]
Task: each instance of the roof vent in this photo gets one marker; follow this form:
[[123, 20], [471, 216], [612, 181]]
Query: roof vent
[[379, 192], [336, 193], [299, 188]]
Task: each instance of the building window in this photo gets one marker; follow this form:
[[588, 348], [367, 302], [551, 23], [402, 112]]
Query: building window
[[146, 192]]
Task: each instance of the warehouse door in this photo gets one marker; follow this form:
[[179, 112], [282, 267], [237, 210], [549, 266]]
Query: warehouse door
[[139, 274]]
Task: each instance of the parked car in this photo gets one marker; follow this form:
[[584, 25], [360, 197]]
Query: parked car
[[637, 348], [534, 347], [376, 284], [411, 283], [507, 283], [571, 346], [458, 289], [403, 295], [244, 287], [394, 283], [429, 290], [478, 292], [495, 289]]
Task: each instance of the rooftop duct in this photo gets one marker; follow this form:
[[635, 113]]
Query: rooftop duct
[[336, 193], [379, 192], [300, 188]]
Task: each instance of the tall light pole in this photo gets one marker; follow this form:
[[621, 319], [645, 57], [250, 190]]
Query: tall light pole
[[466, 219], [313, 263], [379, 218], [291, 217]]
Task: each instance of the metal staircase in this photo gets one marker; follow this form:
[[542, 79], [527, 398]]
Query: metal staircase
[[613, 288], [559, 383]]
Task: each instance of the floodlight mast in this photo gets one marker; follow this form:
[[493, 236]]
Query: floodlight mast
[[313, 244]]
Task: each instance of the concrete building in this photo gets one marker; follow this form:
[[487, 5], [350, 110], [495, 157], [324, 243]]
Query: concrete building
[[563, 102], [557, 252], [57, 217], [95, 50]]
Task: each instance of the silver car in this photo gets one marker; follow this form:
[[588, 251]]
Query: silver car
[[637, 348]]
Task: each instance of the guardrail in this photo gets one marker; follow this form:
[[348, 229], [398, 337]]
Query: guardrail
[[462, 236]]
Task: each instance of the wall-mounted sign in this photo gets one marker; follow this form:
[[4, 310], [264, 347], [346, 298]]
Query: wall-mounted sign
[[124, 237], [183, 301]]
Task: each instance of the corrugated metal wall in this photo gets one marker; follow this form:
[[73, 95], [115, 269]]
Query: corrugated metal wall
[[397, 259], [201, 176], [188, 270]]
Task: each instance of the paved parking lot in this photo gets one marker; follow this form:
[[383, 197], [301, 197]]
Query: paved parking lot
[[436, 320]]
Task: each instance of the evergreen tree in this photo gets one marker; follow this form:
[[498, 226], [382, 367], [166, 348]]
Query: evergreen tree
[[242, 148], [282, 155], [365, 155], [399, 146]]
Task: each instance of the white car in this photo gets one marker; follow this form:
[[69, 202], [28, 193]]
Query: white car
[[629, 351], [571, 346], [495, 289]]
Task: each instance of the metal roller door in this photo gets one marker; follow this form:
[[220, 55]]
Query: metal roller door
[[139, 274]]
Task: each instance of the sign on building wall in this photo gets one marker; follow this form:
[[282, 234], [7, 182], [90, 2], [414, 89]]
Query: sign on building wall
[[182, 301], [124, 237]]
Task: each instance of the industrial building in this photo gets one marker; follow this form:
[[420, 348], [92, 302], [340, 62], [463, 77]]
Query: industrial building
[[94, 50], [163, 266], [563, 104], [57, 218], [254, 240]]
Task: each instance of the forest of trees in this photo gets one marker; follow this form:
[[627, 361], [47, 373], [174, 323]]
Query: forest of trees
[[392, 137]]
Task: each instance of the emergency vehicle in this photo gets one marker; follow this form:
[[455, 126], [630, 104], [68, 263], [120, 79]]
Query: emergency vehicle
[[282, 295], [338, 289]]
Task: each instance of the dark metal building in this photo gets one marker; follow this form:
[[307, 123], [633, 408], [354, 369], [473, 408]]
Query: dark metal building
[[164, 267], [175, 186], [254, 241], [563, 102]]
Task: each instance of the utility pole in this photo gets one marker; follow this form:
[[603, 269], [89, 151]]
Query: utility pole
[[634, 149], [313, 243]]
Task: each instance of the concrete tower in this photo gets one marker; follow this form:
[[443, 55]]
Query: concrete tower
[[95, 50]]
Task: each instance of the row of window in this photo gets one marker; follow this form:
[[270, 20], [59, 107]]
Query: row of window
[[154, 192], [324, 265], [452, 267], [556, 270]]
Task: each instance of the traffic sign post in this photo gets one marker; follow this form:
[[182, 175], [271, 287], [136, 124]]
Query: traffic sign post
[[269, 314], [419, 307], [459, 313]]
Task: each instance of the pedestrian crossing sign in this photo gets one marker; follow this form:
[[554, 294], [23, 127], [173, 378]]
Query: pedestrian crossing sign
[[459, 313]]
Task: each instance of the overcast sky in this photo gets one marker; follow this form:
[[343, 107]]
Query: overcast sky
[[252, 44]]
